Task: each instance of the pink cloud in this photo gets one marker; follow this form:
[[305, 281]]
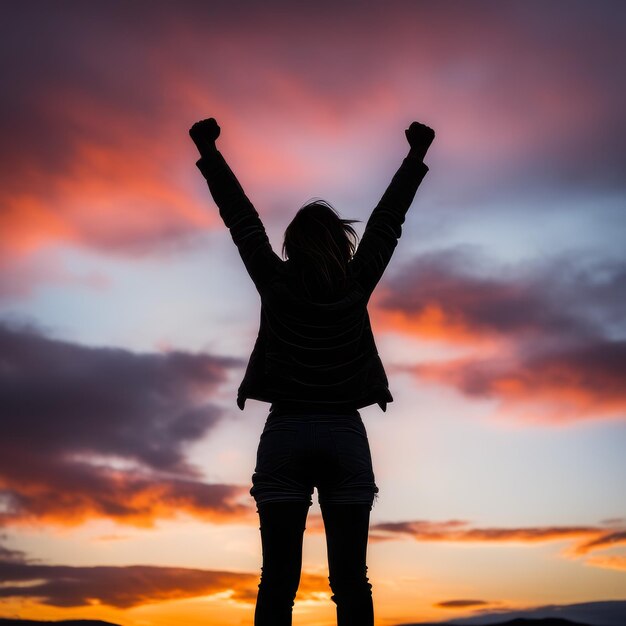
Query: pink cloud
[[537, 336]]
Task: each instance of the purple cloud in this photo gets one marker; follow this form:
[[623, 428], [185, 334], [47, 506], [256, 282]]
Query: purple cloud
[[88, 431]]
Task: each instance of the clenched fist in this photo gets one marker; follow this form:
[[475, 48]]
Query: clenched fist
[[204, 133], [419, 137]]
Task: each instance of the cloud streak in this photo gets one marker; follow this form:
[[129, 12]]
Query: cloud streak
[[461, 604], [583, 540], [128, 586]]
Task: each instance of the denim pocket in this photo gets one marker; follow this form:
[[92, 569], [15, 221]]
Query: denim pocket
[[276, 447], [352, 447]]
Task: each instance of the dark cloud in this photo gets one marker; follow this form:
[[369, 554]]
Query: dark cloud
[[458, 530], [126, 586], [561, 299], [585, 381], [87, 431], [63, 397], [120, 587], [461, 604], [555, 329]]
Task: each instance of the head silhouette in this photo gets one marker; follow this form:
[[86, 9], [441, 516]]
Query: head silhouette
[[321, 243]]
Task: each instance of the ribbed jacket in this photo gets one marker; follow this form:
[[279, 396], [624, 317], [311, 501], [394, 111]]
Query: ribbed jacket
[[313, 351]]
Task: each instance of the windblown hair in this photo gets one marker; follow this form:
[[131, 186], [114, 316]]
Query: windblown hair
[[321, 243]]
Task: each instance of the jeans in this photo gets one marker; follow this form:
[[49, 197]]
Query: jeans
[[296, 454]]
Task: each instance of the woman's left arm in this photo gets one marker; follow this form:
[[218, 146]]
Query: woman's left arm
[[238, 213]]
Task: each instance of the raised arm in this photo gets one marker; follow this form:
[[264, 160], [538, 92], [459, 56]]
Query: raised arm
[[384, 226], [240, 217]]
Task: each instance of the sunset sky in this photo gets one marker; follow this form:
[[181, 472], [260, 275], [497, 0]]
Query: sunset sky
[[127, 317]]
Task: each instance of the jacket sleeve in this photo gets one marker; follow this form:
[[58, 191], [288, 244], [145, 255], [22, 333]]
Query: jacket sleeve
[[240, 217], [384, 227]]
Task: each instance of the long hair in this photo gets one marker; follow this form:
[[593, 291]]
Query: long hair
[[321, 243]]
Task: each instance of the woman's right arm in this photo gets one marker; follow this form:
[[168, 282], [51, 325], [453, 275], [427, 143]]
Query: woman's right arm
[[238, 213], [384, 226]]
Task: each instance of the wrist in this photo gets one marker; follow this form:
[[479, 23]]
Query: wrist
[[416, 152], [207, 149]]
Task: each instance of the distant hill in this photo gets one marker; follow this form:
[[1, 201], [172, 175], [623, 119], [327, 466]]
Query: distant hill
[[540, 621], [518, 621], [594, 613], [71, 622]]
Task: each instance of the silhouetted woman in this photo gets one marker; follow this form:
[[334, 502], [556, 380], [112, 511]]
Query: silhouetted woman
[[316, 362]]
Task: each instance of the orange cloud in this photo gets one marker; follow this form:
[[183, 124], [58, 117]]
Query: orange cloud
[[121, 587], [607, 561], [123, 497], [537, 336], [581, 382], [605, 540], [431, 322], [111, 191], [455, 296], [95, 169]]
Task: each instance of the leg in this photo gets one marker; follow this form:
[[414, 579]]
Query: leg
[[347, 527], [282, 529]]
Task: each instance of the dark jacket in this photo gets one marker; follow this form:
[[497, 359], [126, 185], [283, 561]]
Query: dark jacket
[[313, 352]]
